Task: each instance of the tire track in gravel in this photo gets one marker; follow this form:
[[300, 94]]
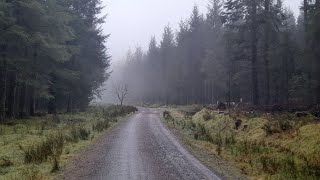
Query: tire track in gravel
[[140, 148]]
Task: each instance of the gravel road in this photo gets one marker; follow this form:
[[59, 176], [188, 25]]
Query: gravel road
[[140, 148]]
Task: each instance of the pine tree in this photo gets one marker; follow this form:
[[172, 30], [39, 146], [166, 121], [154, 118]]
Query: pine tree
[[167, 46], [214, 63], [267, 24], [241, 49], [314, 35], [40, 42]]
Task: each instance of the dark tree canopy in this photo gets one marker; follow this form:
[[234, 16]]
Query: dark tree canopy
[[53, 56]]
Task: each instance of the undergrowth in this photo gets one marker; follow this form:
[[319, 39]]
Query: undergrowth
[[38, 147], [52, 147], [266, 146]]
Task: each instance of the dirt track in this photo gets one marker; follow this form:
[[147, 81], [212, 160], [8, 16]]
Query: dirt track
[[139, 148]]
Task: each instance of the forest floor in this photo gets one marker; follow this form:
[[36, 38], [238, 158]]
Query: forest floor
[[258, 145], [39, 147]]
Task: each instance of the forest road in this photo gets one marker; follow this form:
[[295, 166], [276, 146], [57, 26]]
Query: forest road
[[140, 148]]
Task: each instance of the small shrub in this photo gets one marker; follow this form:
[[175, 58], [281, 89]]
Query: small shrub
[[2, 130], [207, 116], [5, 162], [312, 166], [193, 125], [268, 129], [73, 135], [98, 127], [230, 140], [191, 113], [52, 146], [10, 123], [219, 150], [37, 154], [244, 147], [67, 151], [31, 173], [115, 111], [167, 116], [201, 133], [84, 134], [222, 106], [196, 136], [269, 164], [238, 123], [218, 139], [277, 108], [56, 118], [301, 114], [43, 125], [315, 111], [101, 125], [115, 120], [58, 143], [15, 129], [285, 125], [78, 133], [56, 166], [271, 128]]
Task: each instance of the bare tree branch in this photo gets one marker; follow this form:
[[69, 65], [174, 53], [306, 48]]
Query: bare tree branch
[[121, 91]]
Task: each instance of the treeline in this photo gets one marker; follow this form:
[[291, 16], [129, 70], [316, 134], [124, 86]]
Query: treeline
[[253, 51], [53, 56]]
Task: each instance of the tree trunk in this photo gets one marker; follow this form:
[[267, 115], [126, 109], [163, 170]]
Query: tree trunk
[[266, 50], [52, 107], [286, 82], [318, 72], [22, 101], [3, 86], [17, 99], [229, 89], [318, 92], [307, 46], [254, 63], [32, 107], [305, 11], [69, 107], [212, 93], [12, 95]]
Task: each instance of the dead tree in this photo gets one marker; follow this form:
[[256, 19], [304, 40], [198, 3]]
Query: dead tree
[[121, 91]]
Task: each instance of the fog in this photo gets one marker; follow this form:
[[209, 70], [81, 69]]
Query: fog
[[132, 24]]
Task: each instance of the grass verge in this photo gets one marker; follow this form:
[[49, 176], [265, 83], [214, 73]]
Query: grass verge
[[37, 148], [262, 146]]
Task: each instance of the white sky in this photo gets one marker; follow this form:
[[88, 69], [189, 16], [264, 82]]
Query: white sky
[[133, 22]]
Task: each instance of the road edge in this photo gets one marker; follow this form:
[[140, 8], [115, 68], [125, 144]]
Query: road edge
[[186, 143], [93, 145]]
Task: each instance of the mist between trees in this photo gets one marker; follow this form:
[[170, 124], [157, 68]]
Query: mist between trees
[[253, 50], [53, 56]]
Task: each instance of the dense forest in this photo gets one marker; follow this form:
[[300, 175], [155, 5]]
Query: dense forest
[[251, 51], [53, 56]]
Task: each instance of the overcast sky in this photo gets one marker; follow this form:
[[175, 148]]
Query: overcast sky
[[132, 22]]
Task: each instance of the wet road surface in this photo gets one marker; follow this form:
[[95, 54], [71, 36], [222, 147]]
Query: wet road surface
[[140, 148]]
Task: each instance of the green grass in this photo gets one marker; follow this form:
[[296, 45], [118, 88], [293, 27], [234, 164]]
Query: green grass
[[265, 146], [37, 148]]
